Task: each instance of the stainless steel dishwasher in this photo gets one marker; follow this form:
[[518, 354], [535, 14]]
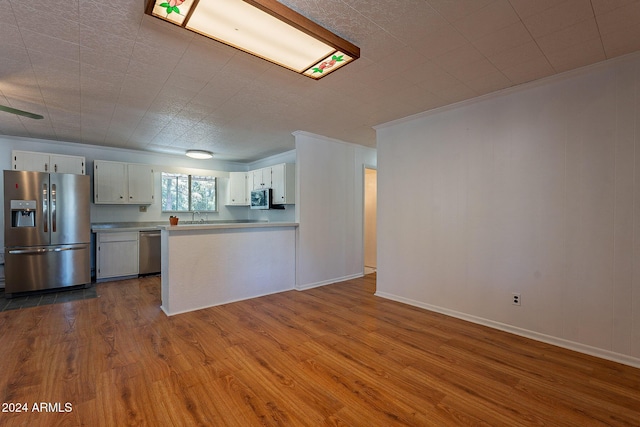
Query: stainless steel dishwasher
[[149, 252]]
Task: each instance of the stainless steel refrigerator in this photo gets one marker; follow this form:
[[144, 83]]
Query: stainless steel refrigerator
[[47, 231]]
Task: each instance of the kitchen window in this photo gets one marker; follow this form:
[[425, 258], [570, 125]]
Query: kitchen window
[[188, 193]]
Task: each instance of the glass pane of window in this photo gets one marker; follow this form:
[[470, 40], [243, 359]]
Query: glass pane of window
[[175, 192], [203, 193], [178, 195]]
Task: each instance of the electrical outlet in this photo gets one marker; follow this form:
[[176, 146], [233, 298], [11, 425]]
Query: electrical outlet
[[516, 299]]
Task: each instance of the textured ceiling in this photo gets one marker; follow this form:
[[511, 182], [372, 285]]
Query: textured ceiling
[[104, 73]]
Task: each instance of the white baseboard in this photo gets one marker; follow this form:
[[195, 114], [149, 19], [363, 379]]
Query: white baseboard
[[328, 282], [560, 342], [230, 301]]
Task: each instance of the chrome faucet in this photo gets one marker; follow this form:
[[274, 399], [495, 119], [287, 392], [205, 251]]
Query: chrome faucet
[[193, 217]]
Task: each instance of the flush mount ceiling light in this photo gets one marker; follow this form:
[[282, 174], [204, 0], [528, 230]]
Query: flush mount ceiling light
[[199, 154], [264, 28]]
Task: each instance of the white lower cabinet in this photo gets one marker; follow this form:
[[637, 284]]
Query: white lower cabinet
[[117, 254]]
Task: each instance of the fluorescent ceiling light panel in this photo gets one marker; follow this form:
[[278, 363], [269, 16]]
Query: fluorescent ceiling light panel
[[264, 28]]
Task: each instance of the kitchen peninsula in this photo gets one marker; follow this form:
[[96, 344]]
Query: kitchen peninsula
[[204, 265]]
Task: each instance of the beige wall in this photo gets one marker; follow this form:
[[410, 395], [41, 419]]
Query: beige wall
[[370, 217]]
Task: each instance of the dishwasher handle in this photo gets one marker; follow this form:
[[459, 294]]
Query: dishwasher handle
[[149, 234]]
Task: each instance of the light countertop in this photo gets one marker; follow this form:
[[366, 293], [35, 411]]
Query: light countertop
[[114, 227], [199, 226], [124, 226]]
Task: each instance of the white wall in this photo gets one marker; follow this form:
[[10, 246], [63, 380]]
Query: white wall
[[330, 188], [534, 191], [204, 268]]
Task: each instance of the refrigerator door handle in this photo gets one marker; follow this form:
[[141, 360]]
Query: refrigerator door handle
[[70, 248], [45, 207], [53, 208], [45, 250]]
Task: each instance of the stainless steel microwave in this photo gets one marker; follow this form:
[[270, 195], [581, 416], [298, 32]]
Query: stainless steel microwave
[[263, 199]]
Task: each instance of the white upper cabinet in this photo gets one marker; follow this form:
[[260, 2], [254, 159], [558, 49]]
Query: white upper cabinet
[[280, 178], [67, 164], [109, 182], [140, 181], [122, 183], [260, 178], [283, 183], [238, 189], [253, 180], [45, 162]]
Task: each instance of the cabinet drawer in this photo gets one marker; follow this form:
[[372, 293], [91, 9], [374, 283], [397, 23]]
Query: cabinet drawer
[[121, 236]]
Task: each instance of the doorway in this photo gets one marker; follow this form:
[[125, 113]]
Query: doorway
[[370, 219]]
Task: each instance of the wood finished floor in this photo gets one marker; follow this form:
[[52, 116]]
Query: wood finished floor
[[331, 356]]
